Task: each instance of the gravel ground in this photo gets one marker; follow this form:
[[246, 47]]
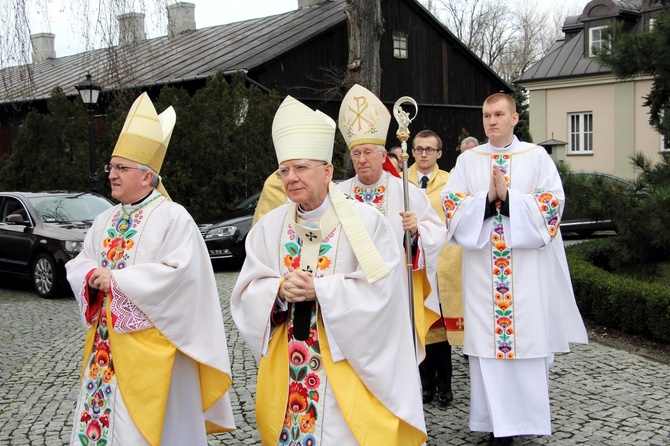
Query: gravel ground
[[639, 345]]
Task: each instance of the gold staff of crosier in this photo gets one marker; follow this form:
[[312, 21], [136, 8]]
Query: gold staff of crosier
[[403, 135]]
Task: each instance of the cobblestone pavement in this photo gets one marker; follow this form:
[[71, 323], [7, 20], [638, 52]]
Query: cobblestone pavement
[[600, 396]]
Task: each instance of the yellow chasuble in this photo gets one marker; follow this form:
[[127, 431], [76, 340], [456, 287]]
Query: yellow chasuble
[[371, 422], [424, 317], [145, 394], [449, 275], [273, 195]]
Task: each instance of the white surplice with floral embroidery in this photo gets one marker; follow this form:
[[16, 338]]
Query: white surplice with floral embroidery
[[514, 267]]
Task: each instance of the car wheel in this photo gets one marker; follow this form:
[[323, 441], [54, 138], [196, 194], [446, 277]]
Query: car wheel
[[44, 276]]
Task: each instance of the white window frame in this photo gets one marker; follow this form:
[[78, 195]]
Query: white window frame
[[580, 133], [400, 50], [596, 39], [652, 23], [663, 148]]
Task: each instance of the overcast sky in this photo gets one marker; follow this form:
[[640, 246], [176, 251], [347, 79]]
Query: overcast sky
[[207, 13]]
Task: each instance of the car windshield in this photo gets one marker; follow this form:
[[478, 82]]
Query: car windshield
[[67, 208], [250, 202]]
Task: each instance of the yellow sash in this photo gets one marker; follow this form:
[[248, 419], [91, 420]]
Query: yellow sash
[[145, 394], [424, 317], [371, 422]]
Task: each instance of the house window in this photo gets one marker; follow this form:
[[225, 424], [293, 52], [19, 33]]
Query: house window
[[652, 23], [399, 45], [598, 40], [581, 132], [665, 147]]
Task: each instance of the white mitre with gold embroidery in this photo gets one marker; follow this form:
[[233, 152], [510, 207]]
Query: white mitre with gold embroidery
[[298, 132], [363, 119], [146, 135]]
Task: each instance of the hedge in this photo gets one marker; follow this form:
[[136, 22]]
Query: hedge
[[633, 306]]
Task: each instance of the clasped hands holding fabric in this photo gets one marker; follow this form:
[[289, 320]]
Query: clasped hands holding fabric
[[101, 279], [297, 286]]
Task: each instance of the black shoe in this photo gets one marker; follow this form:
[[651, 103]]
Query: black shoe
[[500, 441], [428, 396], [444, 398]]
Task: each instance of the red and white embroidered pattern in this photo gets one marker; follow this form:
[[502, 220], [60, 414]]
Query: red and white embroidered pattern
[[126, 316], [83, 307]]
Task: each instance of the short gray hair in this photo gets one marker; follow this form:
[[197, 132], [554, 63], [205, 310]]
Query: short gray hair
[[155, 179], [380, 147], [468, 140]]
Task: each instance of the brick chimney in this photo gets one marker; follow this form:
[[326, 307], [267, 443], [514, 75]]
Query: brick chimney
[[181, 18], [131, 28], [43, 47]]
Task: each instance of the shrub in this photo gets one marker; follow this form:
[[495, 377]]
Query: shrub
[[633, 306]]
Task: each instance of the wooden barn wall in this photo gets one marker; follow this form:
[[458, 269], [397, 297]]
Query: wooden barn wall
[[447, 122], [304, 72], [448, 83], [438, 70], [469, 83], [5, 140], [420, 75]]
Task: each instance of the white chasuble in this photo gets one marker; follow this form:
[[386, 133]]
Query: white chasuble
[[387, 196], [518, 303], [309, 249], [97, 410], [332, 383], [141, 349], [517, 261]]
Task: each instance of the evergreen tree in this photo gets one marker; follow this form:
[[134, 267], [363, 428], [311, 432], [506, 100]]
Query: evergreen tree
[[522, 128], [221, 150], [642, 218], [51, 152], [220, 153]]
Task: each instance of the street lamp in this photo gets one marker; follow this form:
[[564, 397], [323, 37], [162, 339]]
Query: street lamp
[[89, 93]]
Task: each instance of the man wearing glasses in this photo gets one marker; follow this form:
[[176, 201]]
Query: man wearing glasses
[[364, 122], [436, 369], [156, 367], [312, 299]]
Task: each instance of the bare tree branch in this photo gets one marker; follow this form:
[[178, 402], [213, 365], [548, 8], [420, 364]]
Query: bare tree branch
[[509, 36]]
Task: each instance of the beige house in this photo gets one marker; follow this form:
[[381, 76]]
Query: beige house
[[587, 118]]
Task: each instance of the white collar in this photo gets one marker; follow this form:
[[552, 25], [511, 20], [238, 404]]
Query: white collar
[[314, 214]]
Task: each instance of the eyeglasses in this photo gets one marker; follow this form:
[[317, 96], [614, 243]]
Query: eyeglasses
[[427, 151], [298, 169], [119, 168]]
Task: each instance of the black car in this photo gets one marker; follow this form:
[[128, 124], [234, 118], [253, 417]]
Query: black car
[[225, 239], [41, 231], [577, 187]]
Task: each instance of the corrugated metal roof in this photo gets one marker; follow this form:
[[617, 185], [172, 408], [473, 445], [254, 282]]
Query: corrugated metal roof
[[566, 59], [201, 53]]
